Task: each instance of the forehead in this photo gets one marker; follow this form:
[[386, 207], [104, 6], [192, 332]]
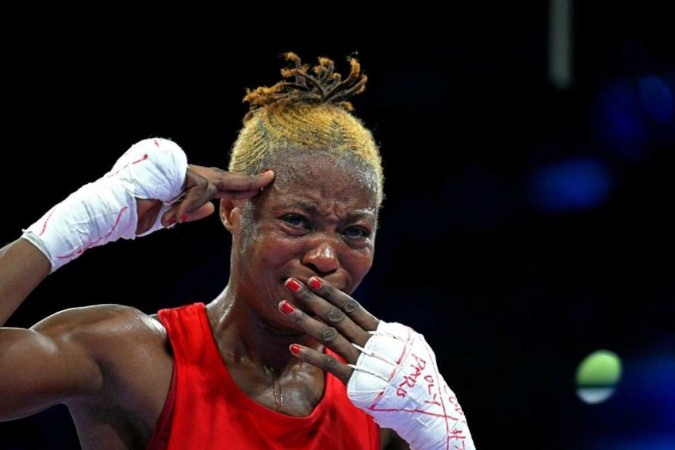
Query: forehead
[[320, 173]]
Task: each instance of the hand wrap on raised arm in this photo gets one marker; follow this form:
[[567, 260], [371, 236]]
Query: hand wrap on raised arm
[[396, 380], [105, 210]]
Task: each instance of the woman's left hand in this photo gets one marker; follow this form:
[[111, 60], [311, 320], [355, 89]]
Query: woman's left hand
[[390, 371], [343, 323]]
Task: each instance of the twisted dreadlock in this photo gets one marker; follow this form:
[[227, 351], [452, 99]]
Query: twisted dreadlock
[[326, 86], [309, 109]]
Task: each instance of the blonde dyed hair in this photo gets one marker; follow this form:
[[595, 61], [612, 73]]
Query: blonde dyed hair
[[309, 109]]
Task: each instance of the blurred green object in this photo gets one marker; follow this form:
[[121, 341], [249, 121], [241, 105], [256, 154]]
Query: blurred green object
[[601, 368], [598, 375]]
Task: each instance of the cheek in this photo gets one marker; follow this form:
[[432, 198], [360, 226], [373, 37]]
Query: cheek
[[274, 255], [358, 264], [273, 250]]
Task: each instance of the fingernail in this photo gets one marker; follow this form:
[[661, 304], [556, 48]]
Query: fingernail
[[295, 349], [315, 283], [183, 218], [171, 221], [293, 284], [287, 307]]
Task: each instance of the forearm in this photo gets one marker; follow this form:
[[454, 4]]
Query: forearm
[[97, 213], [22, 269]]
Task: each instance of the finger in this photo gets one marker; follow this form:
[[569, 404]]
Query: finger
[[204, 184], [197, 192], [203, 211], [323, 361], [147, 211], [327, 335], [195, 197], [343, 302], [234, 185], [328, 312], [357, 313]]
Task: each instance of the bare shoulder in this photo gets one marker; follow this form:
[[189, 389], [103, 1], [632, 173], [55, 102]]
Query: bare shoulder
[[103, 328], [85, 357], [130, 349]]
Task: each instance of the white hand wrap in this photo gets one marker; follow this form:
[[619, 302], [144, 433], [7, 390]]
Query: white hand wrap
[[396, 381], [105, 210]]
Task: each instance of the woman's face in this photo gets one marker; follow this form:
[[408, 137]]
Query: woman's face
[[317, 218]]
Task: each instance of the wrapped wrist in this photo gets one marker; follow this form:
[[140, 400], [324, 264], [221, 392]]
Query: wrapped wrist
[[105, 210], [396, 380]]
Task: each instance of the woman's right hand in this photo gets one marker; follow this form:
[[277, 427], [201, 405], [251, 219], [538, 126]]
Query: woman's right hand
[[202, 184]]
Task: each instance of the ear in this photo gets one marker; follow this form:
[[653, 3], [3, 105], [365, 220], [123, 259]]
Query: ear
[[230, 213]]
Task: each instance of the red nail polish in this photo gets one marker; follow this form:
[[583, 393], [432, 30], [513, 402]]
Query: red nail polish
[[293, 284], [183, 218], [295, 349], [287, 307], [315, 283]]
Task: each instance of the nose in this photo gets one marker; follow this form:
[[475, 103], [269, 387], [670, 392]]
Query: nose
[[322, 257]]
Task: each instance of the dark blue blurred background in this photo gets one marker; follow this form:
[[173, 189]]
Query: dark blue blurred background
[[529, 164]]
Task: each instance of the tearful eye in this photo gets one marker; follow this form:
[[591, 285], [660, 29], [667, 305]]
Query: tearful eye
[[356, 232], [296, 220]]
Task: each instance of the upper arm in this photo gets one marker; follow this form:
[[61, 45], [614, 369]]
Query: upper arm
[[45, 365], [22, 268]]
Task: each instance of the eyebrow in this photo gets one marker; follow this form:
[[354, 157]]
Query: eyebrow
[[312, 209]]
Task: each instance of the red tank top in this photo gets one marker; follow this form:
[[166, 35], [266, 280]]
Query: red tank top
[[206, 410]]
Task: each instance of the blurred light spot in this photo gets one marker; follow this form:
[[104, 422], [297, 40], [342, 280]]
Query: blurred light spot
[[656, 98], [618, 119], [560, 43], [570, 185], [642, 413], [594, 394], [598, 375]]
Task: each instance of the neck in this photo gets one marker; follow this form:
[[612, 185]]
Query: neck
[[256, 353], [244, 336]]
